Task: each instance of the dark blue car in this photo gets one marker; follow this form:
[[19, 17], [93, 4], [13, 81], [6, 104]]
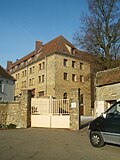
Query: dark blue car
[[106, 128]]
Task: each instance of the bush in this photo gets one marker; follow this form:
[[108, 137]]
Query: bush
[[3, 126], [11, 126]]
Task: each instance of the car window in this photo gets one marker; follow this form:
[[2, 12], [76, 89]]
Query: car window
[[114, 112]]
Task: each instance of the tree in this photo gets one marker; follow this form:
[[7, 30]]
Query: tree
[[100, 32]]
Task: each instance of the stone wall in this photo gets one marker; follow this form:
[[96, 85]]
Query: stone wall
[[17, 112], [108, 92], [74, 110], [9, 112]]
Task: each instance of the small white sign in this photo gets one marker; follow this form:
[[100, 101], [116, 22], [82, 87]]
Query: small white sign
[[73, 105]]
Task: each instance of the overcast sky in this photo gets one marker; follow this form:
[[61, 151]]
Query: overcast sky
[[22, 22]]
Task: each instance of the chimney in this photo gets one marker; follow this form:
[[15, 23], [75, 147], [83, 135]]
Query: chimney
[[9, 63], [38, 45]]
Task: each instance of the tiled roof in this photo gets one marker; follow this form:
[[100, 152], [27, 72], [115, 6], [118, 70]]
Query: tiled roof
[[107, 77], [57, 45], [4, 74]]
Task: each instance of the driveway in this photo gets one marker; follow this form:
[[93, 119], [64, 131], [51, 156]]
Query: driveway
[[52, 144]]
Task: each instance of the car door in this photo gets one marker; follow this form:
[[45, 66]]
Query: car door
[[111, 124]]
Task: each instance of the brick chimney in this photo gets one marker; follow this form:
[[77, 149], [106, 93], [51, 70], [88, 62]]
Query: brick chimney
[[9, 63], [38, 45]]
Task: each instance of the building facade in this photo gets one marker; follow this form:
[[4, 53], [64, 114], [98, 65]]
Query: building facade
[[53, 69], [7, 83], [107, 89]]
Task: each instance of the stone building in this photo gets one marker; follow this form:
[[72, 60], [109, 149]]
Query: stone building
[[107, 89], [7, 83], [53, 69]]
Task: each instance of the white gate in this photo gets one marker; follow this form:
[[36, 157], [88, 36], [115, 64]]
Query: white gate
[[48, 112]]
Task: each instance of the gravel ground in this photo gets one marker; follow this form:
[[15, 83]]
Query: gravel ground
[[52, 144]]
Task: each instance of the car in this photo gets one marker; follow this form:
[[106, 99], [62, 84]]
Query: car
[[106, 128]]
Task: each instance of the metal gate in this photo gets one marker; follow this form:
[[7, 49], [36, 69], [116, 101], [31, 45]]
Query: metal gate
[[49, 112]]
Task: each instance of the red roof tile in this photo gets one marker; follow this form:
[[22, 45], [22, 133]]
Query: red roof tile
[[57, 45]]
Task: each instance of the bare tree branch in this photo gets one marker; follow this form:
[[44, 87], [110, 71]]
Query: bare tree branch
[[100, 33]]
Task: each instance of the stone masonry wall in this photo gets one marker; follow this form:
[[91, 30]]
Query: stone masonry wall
[[74, 111], [17, 113], [9, 112]]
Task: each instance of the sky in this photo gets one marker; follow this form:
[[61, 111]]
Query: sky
[[22, 22]]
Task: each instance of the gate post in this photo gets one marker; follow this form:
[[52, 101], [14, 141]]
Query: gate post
[[74, 109], [25, 106]]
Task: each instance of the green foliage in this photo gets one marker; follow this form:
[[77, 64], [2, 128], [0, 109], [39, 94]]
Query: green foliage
[[10, 126]]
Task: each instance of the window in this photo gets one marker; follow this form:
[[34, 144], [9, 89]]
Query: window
[[22, 84], [33, 69], [25, 62], [65, 76], [30, 82], [1, 86], [39, 79], [33, 81], [33, 58], [41, 93], [17, 76], [73, 64], [22, 73], [81, 78], [65, 62], [25, 73], [42, 78], [81, 66], [43, 65], [65, 95], [1, 99], [81, 98], [18, 66], [30, 70], [74, 77], [114, 112], [40, 66]]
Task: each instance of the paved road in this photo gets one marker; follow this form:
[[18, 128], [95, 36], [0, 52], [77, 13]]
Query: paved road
[[52, 144]]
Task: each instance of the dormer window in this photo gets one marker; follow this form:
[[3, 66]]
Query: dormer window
[[71, 50], [18, 66], [33, 58]]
